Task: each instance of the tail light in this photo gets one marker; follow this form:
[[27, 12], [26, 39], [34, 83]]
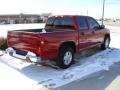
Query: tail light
[[41, 43]]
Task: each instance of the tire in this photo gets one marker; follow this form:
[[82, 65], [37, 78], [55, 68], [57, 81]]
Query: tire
[[106, 43], [65, 57]]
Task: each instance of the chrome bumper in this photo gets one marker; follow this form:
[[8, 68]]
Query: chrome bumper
[[32, 56]]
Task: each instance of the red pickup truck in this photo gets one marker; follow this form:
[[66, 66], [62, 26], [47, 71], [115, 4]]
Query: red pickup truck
[[59, 40]]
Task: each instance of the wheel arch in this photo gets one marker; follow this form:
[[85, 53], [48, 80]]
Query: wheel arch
[[107, 35], [68, 43]]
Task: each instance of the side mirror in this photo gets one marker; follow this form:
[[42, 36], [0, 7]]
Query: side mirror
[[102, 26]]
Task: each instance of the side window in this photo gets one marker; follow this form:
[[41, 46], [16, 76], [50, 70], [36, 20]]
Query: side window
[[93, 23], [82, 23]]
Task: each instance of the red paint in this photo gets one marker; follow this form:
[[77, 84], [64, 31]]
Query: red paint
[[46, 45]]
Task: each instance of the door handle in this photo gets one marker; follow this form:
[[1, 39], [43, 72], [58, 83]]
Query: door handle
[[82, 33]]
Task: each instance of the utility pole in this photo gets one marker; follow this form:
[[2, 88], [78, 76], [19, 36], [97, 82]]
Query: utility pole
[[103, 11], [87, 12]]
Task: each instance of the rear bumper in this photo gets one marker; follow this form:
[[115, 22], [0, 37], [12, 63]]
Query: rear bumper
[[30, 55]]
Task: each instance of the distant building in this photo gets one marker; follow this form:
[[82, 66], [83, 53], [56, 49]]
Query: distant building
[[118, 20], [20, 18]]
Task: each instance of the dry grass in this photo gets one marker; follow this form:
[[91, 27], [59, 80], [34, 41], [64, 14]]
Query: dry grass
[[3, 43]]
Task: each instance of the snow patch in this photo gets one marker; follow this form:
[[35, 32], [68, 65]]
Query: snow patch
[[1, 53], [52, 78]]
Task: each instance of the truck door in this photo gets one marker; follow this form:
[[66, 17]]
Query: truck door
[[83, 33], [96, 33]]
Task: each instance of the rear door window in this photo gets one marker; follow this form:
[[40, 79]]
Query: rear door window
[[82, 23]]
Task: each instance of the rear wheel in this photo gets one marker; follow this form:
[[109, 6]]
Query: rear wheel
[[65, 57], [106, 43]]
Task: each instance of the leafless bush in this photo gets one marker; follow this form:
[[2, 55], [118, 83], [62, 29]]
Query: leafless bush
[[3, 43]]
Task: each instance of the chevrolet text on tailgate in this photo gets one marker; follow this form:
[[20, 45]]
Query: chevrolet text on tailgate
[[61, 38]]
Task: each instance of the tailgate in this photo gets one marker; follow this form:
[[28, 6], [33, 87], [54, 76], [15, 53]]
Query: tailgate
[[23, 40]]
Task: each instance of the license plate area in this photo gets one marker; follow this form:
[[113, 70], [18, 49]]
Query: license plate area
[[19, 52]]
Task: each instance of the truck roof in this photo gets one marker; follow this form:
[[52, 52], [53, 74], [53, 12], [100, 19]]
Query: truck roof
[[69, 16]]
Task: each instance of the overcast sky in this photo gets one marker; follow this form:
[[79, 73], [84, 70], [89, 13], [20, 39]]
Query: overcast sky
[[79, 7]]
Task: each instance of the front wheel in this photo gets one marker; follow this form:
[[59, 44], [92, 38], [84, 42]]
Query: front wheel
[[65, 57], [106, 43]]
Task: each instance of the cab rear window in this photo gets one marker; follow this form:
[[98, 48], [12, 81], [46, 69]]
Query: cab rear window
[[60, 23]]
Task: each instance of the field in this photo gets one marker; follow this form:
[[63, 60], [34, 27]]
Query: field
[[112, 23]]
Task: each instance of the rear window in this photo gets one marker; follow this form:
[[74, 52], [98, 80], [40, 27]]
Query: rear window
[[50, 22], [60, 23]]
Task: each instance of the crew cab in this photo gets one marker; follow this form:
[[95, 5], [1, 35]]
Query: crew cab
[[59, 40]]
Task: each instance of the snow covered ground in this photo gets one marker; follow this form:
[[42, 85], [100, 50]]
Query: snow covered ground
[[16, 74], [5, 28]]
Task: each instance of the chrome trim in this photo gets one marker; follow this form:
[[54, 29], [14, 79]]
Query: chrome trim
[[32, 56]]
